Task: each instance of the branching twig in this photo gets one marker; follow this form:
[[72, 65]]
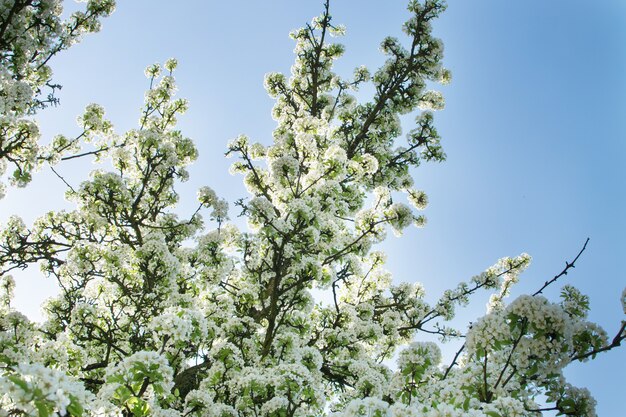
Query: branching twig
[[454, 362], [617, 341], [568, 265]]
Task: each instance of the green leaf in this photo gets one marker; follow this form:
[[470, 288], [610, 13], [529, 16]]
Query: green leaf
[[42, 408], [75, 408], [140, 408], [19, 382], [466, 404]]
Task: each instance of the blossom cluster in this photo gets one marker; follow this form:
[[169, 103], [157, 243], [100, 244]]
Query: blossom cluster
[[31, 34]]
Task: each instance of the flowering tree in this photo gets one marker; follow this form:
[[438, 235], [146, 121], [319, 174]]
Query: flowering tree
[[31, 33], [159, 315]]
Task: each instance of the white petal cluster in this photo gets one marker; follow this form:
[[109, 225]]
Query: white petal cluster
[[126, 380], [179, 326], [32, 33], [32, 387]]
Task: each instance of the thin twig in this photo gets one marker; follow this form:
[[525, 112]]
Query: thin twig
[[568, 265], [63, 179], [454, 362]]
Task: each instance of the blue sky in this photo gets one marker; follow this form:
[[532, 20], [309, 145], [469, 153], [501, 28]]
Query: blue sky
[[534, 130]]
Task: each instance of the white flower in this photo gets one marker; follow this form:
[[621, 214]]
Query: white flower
[[335, 153], [418, 199], [431, 100], [170, 64], [153, 71], [206, 196]]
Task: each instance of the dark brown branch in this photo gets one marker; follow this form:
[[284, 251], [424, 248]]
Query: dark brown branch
[[454, 362], [568, 265], [62, 179], [617, 341]]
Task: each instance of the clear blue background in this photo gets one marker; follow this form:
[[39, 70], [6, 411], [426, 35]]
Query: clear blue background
[[534, 130]]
